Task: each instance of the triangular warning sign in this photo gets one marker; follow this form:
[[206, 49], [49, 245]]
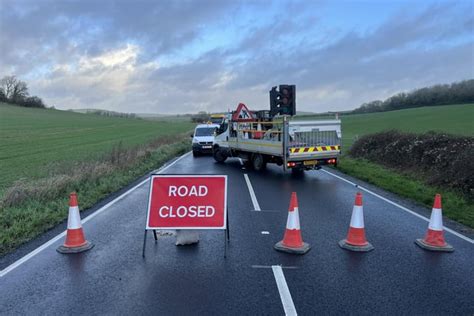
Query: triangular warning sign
[[242, 114]]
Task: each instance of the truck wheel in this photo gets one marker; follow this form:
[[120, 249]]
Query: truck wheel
[[258, 163], [219, 155]]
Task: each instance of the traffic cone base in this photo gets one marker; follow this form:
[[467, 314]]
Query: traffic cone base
[[434, 238], [84, 247], [304, 248], [355, 240], [75, 240], [364, 248], [292, 238], [423, 244], [292, 241], [356, 237]]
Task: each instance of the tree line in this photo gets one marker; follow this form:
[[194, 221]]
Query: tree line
[[111, 113], [201, 117], [15, 91], [445, 94]]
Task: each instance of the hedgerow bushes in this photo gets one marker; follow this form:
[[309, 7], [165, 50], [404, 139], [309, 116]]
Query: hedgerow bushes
[[439, 159]]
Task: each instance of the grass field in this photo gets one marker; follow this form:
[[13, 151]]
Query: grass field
[[454, 119], [34, 140], [55, 152]]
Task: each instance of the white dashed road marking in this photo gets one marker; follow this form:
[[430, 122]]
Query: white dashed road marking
[[285, 294], [256, 206]]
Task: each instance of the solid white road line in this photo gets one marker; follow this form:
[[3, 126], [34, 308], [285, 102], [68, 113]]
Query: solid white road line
[[399, 206], [285, 294], [88, 218], [252, 193]]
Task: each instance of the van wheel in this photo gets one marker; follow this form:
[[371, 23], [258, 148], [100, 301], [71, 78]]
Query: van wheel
[[219, 155], [258, 163]]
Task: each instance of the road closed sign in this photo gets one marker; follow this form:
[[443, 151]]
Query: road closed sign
[[187, 202]]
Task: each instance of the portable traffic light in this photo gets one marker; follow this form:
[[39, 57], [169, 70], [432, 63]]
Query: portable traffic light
[[283, 102], [287, 98], [273, 101]]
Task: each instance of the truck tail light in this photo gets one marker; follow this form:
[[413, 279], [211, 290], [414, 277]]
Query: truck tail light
[[291, 164]]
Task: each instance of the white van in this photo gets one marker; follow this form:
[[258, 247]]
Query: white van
[[203, 138]]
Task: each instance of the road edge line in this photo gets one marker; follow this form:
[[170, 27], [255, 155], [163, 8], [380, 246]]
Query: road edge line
[[284, 291], [256, 206], [33, 253], [455, 233]]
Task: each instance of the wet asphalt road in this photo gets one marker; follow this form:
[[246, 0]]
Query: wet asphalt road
[[112, 278]]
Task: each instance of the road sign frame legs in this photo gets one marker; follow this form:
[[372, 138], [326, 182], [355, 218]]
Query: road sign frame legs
[[226, 235], [227, 226], [144, 243], [144, 240]]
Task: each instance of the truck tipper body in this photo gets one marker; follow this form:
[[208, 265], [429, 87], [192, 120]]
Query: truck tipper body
[[293, 144]]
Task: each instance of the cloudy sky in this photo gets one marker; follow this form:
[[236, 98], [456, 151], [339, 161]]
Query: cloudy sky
[[187, 56]]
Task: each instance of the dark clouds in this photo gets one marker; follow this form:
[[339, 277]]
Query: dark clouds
[[110, 54]]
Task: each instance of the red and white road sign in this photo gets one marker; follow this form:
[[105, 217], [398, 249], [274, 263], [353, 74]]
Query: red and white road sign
[[187, 202]]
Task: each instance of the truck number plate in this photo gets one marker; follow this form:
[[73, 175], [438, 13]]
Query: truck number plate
[[310, 162]]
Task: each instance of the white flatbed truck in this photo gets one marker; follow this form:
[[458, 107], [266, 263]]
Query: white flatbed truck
[[294, 144]]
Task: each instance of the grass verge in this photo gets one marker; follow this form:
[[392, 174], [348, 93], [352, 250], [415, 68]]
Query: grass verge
[[455, 206], [31, 208]]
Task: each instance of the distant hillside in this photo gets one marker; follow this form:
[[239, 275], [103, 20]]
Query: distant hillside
[[446, 94], [452, 119]]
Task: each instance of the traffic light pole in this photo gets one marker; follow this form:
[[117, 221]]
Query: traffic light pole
[[285, 142]]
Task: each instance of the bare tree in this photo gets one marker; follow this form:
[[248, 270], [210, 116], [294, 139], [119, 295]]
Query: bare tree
[[3, 98], [13, 89], [6, 85], [20, 91]]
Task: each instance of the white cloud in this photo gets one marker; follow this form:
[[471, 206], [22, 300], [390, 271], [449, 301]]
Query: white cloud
[[124, 58], [120, 56]]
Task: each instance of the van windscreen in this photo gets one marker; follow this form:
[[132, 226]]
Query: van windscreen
[[205, 131]]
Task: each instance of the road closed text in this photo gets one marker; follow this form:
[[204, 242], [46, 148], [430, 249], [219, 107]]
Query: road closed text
[[187, 202], [183, 211]]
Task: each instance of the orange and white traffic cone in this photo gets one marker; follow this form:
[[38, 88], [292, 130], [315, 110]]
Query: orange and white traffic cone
[[356, 240], [75, 241], [292, 241], [434, 239]]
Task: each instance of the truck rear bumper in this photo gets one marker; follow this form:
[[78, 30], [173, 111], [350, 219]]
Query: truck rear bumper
[[302, 157], [314, 163]]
